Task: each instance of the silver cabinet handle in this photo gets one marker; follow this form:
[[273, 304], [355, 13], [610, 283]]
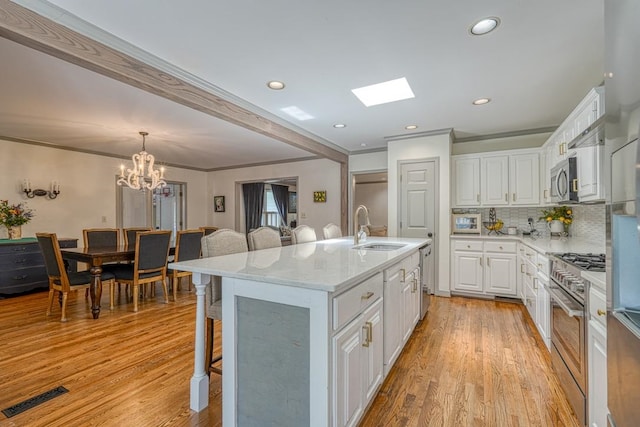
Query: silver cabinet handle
[[368, 330], [480, 259], [415, 286], [535, 283], [544, 193], [521, 268]]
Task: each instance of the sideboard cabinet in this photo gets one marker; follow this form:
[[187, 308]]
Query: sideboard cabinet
[[22, 265]]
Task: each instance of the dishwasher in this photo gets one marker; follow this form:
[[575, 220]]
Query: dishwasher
[[426, 277]]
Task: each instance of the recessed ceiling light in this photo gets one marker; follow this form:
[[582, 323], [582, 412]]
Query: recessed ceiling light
[[363, 145], [297, 113], [482, 101], [339, 125], [484, 26], [381, 93], [411, 127], [275, 85]]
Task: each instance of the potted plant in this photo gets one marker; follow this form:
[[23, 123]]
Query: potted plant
[[558, 219], [14, 217]]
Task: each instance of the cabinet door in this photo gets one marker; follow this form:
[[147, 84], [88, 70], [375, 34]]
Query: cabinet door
[[494, 180], [589, 163], [372, 360], [545, 179], [500, 274], [597, 358], [524, 179], [348, 374], [407, 307], [393, 319], [543, 318], [467, 271], [467, 181]]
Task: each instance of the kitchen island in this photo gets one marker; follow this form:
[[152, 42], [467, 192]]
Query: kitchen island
[[302, 328]]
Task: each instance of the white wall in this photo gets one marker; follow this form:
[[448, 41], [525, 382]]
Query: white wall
[[87, 185], [434, 146], [375, 161], [313, 175]]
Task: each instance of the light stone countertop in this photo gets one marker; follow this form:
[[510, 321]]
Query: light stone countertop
[[328, 265], [546, 245]]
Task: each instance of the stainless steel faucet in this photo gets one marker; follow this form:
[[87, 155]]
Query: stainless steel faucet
[[356, 225]]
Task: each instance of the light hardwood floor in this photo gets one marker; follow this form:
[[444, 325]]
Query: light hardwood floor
[[472, 362]]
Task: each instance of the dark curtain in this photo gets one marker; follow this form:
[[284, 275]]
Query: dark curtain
[[281, 197], [253, 195]]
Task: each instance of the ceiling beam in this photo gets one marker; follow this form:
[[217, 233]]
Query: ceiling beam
[[30, 29]]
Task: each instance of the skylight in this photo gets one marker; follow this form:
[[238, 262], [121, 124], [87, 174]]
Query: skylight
[[382, 93]]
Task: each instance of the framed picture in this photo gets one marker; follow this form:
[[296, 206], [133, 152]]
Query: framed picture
[[293, 202], [218, 203], [319, 196]]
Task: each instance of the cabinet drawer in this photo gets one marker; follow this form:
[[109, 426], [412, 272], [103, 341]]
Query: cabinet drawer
[[598, 305], [19, 248], [543, 264], [15, 260], [412, 262], [467, 245], [507, 247], [349, 304], [18, 280]]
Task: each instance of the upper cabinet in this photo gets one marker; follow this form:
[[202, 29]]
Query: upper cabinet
[[508, 178]]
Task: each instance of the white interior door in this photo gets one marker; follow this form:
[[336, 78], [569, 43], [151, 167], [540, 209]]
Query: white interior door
[[417, 199]]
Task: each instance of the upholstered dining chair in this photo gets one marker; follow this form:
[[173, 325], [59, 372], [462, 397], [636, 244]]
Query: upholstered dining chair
[[331, 231], [188, 246], [130, 234], [218, 243], [303, 234], [208, 230], [100, 237], [59, 279], [149, 265], [263, 238]]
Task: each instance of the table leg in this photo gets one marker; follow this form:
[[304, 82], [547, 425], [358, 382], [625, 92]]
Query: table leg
[[95, 290], [200, 379]]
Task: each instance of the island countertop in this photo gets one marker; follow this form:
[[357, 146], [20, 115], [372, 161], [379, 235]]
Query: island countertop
[[329, 265]]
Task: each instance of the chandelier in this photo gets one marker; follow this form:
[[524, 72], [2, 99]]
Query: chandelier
[[142, 176]]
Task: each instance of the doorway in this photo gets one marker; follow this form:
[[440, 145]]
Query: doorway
[[160, 209], [370, 189]]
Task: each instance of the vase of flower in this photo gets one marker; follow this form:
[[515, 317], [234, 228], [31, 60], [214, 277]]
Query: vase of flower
[[556, 226], [15, 232], [558, 219]]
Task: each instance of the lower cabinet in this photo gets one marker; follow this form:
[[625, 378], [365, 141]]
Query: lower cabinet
[[358, 351], [487, 267], [597, 341]]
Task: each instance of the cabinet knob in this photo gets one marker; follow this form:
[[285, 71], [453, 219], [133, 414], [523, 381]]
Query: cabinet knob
[[500, 247], [468, 246], [601, 312]]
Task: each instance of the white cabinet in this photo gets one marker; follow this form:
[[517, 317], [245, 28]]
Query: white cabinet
[[401, 306], [524, 179], [590, 162], [494, 180], [597, 342], [357, 365], [467, 181], [546, 163], [534, 271], [506, 178], [487, 267]]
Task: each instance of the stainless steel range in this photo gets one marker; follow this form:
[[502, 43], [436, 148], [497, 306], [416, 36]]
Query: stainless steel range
[[569, 324]]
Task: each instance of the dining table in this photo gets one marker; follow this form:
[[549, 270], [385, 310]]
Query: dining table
[[95, 257]]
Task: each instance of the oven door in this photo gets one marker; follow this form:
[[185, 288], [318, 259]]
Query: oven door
[[568, 353]]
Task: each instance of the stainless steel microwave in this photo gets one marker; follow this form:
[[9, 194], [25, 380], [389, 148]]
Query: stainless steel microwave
[[466, 223], [564, 181]]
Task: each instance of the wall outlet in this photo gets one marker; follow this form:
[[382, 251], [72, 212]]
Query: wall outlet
[[104, 219], [303, 215]]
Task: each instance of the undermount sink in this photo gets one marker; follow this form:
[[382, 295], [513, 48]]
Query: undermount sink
[[381, 246]]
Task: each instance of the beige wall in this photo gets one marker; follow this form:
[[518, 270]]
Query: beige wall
[[313, 175], [87, 185], [427, 147]]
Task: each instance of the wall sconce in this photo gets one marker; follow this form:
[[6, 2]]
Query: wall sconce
[[52, 194]]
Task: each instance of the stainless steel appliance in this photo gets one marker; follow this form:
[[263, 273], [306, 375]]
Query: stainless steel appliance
[[569, 325], [466, 223], [427, 277], [564, 181], [622, 124]]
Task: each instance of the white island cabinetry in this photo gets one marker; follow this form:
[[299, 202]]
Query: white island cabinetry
[[304, 329]]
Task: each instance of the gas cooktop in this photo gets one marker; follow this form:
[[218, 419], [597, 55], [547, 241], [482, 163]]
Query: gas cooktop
[[590, 262]]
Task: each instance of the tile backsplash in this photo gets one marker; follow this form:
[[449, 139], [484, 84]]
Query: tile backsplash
[[588, 220]]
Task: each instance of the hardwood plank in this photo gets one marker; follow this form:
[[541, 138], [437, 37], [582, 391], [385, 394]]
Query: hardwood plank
[[470, 363]]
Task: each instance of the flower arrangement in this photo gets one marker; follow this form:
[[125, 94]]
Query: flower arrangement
[[563, 214], [14, 215]]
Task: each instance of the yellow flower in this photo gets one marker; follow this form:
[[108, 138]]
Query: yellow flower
[[561, 219], [549, 219], [568, 211]]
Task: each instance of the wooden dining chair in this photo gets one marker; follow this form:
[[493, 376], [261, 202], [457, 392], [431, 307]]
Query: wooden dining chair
[[188, 246], [331, 231], [149, 265], [59, 279], [303, 234], [208, 230], [263, 238], [218, 243], [130, 234], [100, 237]]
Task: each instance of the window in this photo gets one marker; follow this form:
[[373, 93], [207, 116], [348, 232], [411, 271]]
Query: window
[[270, 214]]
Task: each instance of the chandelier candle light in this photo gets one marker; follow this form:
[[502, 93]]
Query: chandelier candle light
[[142, 165]]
